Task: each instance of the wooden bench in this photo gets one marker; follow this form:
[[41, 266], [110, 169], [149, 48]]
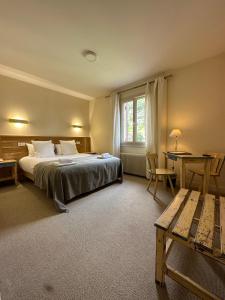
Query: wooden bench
[[177, 224]]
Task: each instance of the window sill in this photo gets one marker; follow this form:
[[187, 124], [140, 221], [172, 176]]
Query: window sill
[[134, 145]]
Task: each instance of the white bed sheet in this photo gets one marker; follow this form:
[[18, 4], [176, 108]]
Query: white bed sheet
[[28, 163]]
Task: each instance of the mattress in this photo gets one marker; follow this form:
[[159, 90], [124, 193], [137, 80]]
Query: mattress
[[28, 163]]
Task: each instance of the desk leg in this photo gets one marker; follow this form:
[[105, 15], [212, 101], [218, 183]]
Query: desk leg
[[14, 174], [206, 176], [166, 162], [182, 174], [160, 259]]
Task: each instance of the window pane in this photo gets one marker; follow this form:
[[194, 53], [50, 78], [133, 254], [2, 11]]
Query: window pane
[[128, 121], [140, 120]]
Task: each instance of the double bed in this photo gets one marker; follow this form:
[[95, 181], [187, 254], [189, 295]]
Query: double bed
[[65, 177]]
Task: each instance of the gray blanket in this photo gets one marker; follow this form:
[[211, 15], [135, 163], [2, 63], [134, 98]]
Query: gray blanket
[[63, 182]]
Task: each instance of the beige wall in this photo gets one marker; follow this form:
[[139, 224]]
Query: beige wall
[[196, 103], [197, 106], [101, 121], [101, 124], [49, 112]]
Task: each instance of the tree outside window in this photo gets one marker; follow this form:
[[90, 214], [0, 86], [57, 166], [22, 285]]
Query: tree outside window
[[133, 121]]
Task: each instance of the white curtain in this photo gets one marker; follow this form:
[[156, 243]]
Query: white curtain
[[116, 124], [156, 118]]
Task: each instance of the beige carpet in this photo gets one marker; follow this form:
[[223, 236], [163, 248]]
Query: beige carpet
[[103, 249]]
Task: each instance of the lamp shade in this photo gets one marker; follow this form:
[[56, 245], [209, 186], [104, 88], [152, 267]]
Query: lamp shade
[[175, 133]]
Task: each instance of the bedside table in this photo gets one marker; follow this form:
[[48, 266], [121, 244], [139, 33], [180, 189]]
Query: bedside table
[[9, 164]]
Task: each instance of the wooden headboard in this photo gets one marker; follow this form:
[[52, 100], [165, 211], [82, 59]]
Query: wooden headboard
[[10, 145]]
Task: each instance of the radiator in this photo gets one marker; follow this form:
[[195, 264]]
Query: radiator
[[134, 163]]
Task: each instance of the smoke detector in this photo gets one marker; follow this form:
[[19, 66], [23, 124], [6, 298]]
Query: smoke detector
[[90, 56]]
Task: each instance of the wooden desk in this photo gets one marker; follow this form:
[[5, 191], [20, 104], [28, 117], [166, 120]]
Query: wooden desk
[[187, 159], [178, 223], [9, 164]]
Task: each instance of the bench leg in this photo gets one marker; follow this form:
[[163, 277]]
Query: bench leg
[[160, 256]]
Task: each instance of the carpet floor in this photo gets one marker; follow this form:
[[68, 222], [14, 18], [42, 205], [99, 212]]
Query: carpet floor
[[104, 248]]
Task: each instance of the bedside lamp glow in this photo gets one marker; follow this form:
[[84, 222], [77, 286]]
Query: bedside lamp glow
[[176, 133]]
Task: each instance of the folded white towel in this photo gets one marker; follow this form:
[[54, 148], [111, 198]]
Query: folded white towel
[[105, 155], [65, 160]]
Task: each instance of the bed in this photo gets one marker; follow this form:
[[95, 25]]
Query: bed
[[64, 181]]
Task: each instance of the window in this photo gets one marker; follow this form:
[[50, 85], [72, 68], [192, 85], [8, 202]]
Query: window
[[133, 120]]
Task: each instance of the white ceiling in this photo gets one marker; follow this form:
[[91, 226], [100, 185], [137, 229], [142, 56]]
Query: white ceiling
[[133, 39]]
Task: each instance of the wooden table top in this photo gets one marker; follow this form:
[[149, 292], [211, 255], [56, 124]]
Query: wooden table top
[[187, 156], [7, 161]]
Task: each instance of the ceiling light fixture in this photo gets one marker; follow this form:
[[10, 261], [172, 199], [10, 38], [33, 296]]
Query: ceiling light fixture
[[90, 56]]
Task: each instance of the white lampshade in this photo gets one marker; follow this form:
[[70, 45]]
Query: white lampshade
[[175, 133]]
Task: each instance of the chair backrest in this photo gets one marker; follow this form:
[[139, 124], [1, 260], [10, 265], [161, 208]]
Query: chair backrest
[[217, 162], [152, 161]]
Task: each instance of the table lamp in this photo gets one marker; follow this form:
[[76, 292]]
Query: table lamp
[[176, 133]]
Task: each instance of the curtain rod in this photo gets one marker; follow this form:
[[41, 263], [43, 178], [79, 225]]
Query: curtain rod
[[143, 84]]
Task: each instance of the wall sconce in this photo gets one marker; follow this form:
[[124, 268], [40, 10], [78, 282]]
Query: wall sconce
[[18, 122], [77, 126]]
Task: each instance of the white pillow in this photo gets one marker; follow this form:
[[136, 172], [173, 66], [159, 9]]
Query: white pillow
[[58, 149], [68, 147], [43, 148], [41, 142], [30, 148]]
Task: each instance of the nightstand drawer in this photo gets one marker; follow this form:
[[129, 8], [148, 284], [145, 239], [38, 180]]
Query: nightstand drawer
[[7, 164], [8, 170]]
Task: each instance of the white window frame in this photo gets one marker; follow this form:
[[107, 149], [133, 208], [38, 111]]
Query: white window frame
[[122, 102]]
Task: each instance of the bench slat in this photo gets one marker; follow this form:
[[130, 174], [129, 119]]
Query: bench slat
[[222, 225], [168, 215], [205, 231], [183, 225]]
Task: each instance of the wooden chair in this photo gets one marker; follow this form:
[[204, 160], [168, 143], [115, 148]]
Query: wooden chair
[[216, 167], [155, 173]]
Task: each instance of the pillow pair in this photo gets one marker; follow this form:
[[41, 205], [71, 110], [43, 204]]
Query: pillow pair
[[46, 148], [41, 149], [66, 148]]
